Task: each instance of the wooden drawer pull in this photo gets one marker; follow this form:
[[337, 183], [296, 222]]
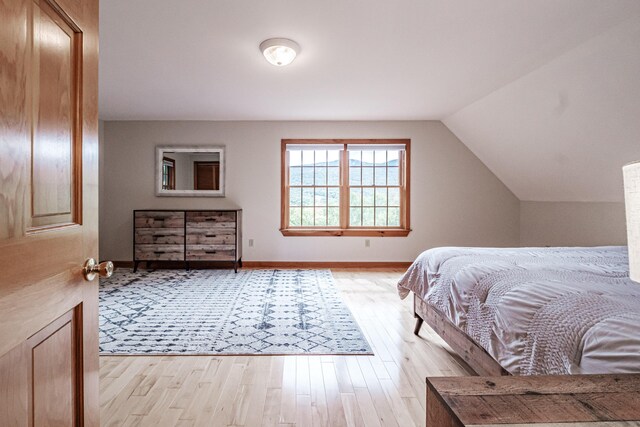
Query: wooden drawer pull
[[210, 252], [210, 235], [158, 252]]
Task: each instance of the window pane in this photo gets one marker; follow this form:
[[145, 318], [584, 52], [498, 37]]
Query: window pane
[[367, 197], [307, 217], [394, 197], [333, 217], [295, 176], [393, 157], [381, 176], [381, 217], [333, 176], [394, 217], [380, 157], [307, 176], [295, 196], [355, 215], [321, 217], [321, 157], [367, 217], [295, 217], [367, 176], [333, 196], [321, 197], [381, 196], [307, 157], [367, 158], [321, 176], [308, 196], [355, 157], [394, 176], [333, 157], [356, 197], [295, 158], [354, 176]]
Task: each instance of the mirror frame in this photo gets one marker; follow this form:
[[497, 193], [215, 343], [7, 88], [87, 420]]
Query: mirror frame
[[160, 152]]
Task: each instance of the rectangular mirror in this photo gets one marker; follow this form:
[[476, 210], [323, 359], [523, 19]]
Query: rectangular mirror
[[190, 171]]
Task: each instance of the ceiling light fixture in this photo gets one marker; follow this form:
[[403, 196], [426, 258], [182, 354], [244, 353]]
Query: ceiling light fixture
[[279, 52]]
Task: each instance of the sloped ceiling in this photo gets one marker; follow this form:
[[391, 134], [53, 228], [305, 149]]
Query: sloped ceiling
[[563, 131], [545, 92]]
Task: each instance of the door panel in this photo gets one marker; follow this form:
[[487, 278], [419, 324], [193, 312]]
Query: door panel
[[55, 66], [48, 212], [54, 375]]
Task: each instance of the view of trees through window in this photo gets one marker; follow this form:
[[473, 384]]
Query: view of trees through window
[[314, 188], [373, 183], [374, 188]]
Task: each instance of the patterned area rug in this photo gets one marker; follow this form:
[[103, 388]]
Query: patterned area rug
[[221, 312]]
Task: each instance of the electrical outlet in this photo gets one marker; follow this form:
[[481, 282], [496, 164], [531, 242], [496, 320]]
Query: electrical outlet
[[367, 243], [250, 243]]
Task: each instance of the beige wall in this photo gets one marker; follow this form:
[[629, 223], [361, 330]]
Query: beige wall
[[572, 224], [455, 199]]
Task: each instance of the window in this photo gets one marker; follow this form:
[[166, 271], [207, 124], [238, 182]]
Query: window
[[345, 187], [168, 174]]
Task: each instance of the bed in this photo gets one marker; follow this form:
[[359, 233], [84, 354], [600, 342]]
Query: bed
[[530, 311]]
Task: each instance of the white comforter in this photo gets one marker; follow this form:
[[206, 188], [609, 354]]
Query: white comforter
[[537, 310]]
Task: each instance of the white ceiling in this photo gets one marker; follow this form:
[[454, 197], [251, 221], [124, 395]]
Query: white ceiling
[[360, 59], [545, 92]]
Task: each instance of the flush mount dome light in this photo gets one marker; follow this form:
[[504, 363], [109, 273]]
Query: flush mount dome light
[[279, 52]]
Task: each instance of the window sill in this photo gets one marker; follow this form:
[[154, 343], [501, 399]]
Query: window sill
[[360, 232]]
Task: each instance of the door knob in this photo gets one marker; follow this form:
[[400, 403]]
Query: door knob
[[92, 269]]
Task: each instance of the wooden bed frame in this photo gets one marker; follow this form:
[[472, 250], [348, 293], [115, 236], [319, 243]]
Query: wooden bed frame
[[475, 356]]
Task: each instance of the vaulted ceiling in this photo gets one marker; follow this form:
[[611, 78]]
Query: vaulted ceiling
[[545, 92]]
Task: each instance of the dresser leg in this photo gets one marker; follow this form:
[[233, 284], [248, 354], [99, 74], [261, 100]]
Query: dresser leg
[[135, 266], [235, 266], [240, 263]]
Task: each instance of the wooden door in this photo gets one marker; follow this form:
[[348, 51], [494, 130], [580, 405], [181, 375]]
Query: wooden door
[[48, 212], [206, 176]]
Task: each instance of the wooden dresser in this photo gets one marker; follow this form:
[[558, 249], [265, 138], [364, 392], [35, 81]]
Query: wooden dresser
[[566, 401], [187, 235]]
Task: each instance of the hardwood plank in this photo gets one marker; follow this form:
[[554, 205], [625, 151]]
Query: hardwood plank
[[303, 410], [342, 374], [272, 407], [367, 408], [352, 410], [288, 403], [332, 392], [320, 412]]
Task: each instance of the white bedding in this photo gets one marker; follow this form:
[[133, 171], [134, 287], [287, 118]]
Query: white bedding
[[537, 310]]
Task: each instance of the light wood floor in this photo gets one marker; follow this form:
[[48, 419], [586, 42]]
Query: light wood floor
[[387, 389]]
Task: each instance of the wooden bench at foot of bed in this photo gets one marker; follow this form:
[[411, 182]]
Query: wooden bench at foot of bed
[[570, 401], [475, 356]]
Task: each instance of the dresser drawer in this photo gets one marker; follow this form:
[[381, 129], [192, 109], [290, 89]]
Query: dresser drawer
[[211, 236], [159, 219], [160, 252], [162, 236], [211, 219], [211, 252]]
